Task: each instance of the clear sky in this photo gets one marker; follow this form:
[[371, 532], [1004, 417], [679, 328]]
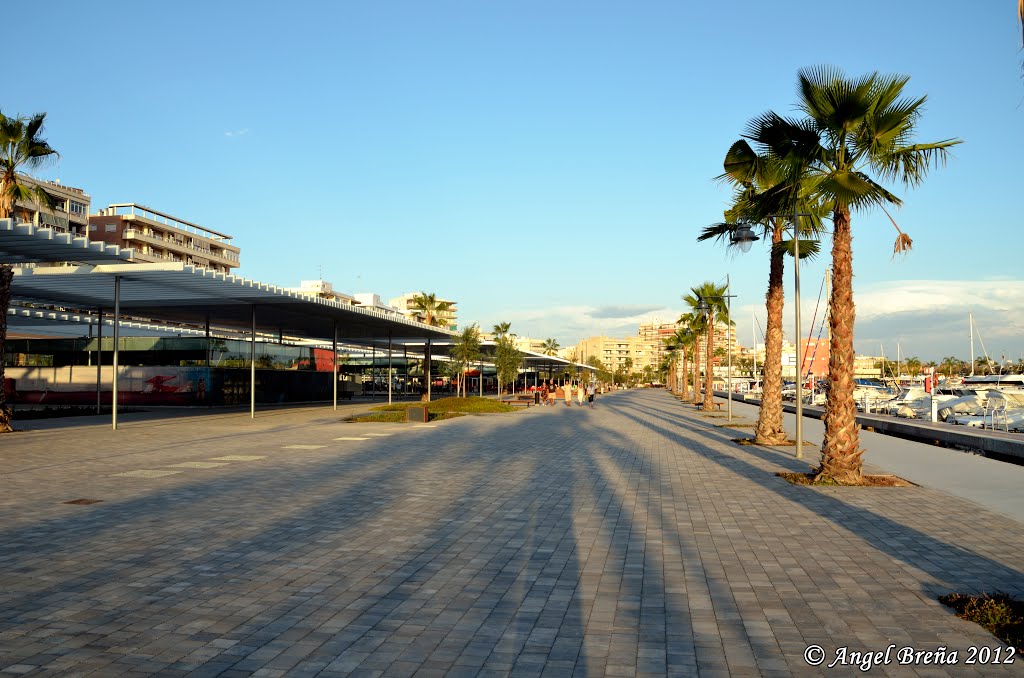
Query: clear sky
[[545, 163]]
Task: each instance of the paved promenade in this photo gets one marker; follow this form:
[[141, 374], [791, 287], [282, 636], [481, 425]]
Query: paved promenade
[[631, 539]]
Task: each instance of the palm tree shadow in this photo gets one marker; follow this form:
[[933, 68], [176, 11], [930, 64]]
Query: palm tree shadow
[[952, 567]]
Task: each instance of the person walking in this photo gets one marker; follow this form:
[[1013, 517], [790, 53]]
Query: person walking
[[581, 392], [590, 394], [567, 386], [552, 393]]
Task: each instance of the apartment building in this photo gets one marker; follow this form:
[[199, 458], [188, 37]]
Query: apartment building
[[448, 319], [324, 290], [158, 237], [614, 352], [69, 213]]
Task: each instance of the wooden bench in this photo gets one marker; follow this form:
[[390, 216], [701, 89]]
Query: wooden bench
[[519, 401], [717, 405]]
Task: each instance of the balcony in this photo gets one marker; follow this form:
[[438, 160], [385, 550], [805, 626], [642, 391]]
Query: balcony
[[225, 256]]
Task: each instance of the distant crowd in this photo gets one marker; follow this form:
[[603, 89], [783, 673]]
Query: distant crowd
[[551, 393]]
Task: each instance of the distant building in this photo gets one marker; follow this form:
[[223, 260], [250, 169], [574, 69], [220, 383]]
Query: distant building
[[158, 237], [70, 212], [371, 300], [324, 290], [405, 306]]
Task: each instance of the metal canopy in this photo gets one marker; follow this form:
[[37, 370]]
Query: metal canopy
[[181, 293], [27, 243]]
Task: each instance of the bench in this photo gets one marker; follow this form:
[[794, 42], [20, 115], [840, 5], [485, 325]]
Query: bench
[[344, 395], [519, 401], [715, 404]]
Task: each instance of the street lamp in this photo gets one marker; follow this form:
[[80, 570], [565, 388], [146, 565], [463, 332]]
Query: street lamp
[[743, 238]]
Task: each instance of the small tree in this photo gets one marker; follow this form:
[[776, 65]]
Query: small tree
[[465, 351], [507, 360]]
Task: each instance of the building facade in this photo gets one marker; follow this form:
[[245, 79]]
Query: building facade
[[157, 237], [69, 213]]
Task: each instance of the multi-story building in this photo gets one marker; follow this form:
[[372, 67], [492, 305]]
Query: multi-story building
[[447, 318], [614, 352], [70, 210], [158, 237], [324, 290]]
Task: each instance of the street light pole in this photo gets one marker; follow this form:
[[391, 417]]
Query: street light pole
[[744, 237]]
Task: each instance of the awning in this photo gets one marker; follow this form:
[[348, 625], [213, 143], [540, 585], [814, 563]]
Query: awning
[[26, 243], [180, 293]]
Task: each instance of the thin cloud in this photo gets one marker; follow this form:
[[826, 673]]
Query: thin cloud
[[628, 311], [237, 133]]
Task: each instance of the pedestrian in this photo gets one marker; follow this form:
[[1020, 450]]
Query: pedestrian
[[567, 387], [581, 391], [590, 393], [552, 393], [544, 393]]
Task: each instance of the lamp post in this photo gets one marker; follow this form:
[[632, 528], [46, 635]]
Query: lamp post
[[743, 238]]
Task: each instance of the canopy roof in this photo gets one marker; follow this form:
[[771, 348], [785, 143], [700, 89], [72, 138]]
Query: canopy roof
[[180, 293], [26, 243]]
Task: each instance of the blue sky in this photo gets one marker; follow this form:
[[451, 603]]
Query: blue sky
[[545, 163]]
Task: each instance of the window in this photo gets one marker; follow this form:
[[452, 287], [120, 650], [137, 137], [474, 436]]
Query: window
[[110, 228], [92, 227]]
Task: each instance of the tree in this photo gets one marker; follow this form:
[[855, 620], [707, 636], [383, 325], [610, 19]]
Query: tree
[[501, 329], [465, 351], [856, 133], [713, 297], [603, 373], [429, 309], [507, 360], [550, 347], [913, 364], [756, 206], [21, 148]]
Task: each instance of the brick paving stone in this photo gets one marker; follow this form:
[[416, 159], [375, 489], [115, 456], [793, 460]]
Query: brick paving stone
[[633, 539]]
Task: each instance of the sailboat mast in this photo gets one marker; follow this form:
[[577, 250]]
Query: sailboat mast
[[753, 330], [970, 320]]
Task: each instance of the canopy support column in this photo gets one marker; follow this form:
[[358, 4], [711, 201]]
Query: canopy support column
[[117, 321], [252, 367], [389, 367], [373, 370], [334, 370], [99, 360], [426, 370]]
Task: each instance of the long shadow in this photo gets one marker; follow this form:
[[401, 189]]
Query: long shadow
[[954, 566], [245, 560]]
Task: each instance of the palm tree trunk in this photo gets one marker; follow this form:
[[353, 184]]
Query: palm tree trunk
[[768, 430], [696, 370], [840, 453], [686, 375], [709, 396], [6, 276]]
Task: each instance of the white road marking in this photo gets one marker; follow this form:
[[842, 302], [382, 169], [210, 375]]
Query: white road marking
[[238, 457], [303, 447], [351, 438]]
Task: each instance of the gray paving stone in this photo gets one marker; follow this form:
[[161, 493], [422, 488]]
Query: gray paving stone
[[633, 539]]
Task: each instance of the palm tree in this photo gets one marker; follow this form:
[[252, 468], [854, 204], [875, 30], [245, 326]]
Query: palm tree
[[671, 349], [21, 148], [550, 347], [854, 128], [429, 308], [708, 300], [753, 176], [694, 324], [501, 329]]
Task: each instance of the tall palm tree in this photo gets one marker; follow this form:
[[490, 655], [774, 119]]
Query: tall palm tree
[[21, 148], [671, 348], [752, 177], [695, 325], [429, 308], [550, 347], [465, 351], [686, 339], [712, 297], [501, 329], [856, 133]]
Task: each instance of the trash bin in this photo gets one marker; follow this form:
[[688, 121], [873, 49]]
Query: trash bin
[[536, 397], [417, 414]]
